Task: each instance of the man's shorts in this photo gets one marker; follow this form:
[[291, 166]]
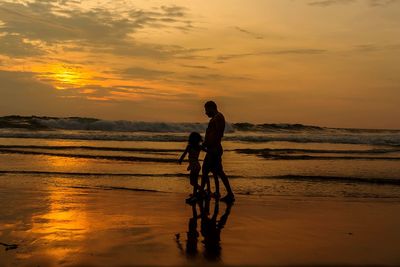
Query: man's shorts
[[212, 162]]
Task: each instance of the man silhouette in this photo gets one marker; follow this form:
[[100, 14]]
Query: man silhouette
[[213, 159]]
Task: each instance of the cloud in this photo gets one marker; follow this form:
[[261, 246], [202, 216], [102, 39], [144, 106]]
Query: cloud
[[195, 66], [215, 77], [148, 92], [324, 3], [378, 3], [37, 20], [376, 48], [298, 51], [97, 29], [372, 3], [249, 33], [123, 93], [143, 73], [148, 50], [21, 93], [174, 11], [14, 45]]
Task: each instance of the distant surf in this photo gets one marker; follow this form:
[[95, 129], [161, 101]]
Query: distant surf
[[93, 124], [76, 128]]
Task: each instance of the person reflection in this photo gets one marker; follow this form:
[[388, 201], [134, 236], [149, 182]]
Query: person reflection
[[210, 228], [192, 236]]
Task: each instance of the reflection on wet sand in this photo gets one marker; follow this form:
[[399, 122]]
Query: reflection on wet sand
[[65, 222], [210, 229]]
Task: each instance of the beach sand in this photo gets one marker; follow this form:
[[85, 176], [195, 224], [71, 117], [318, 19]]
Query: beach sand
[[61, 226]]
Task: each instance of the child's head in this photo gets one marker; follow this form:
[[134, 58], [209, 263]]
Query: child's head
[[195, 138]]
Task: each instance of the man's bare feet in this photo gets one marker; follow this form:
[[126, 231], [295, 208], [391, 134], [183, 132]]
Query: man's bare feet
[[191, 200], [228, 198]]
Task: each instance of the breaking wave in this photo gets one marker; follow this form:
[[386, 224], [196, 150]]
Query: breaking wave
[[91, 124], [75, 128], [384, 139]]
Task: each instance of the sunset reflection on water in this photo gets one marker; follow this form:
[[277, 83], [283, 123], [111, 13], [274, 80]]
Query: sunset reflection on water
[[65, 224]]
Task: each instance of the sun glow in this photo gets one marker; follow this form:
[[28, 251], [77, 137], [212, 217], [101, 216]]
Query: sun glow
[[66, 76]]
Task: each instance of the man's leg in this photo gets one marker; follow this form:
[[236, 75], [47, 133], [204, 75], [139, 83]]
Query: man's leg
[[205, 180], [216, 194], [220, 172], [225, 181], [204, 176]]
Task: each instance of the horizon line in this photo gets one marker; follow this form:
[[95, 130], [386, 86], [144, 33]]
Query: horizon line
[[176, 122]]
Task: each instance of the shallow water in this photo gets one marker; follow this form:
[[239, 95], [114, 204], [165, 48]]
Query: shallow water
[[282, 168]]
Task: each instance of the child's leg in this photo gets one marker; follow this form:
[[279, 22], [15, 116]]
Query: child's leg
[[194, 177]]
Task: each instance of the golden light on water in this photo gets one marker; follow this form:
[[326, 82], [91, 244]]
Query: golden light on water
[[61, 223]]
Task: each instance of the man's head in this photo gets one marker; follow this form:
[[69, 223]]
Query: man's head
[[211, 109]]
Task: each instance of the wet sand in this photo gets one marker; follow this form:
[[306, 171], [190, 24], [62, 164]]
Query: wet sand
[[59, 226]]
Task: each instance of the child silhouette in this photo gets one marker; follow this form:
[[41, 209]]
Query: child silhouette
[[193, 150]]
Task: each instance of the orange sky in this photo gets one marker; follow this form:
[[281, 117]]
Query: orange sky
[[324, 62]]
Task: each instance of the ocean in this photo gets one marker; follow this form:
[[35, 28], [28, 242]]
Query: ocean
[[261, 160]]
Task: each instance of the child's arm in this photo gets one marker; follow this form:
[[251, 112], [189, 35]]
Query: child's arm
[[203, 147], [183, 155]]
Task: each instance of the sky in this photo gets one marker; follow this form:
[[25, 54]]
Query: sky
[[321, 62]]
